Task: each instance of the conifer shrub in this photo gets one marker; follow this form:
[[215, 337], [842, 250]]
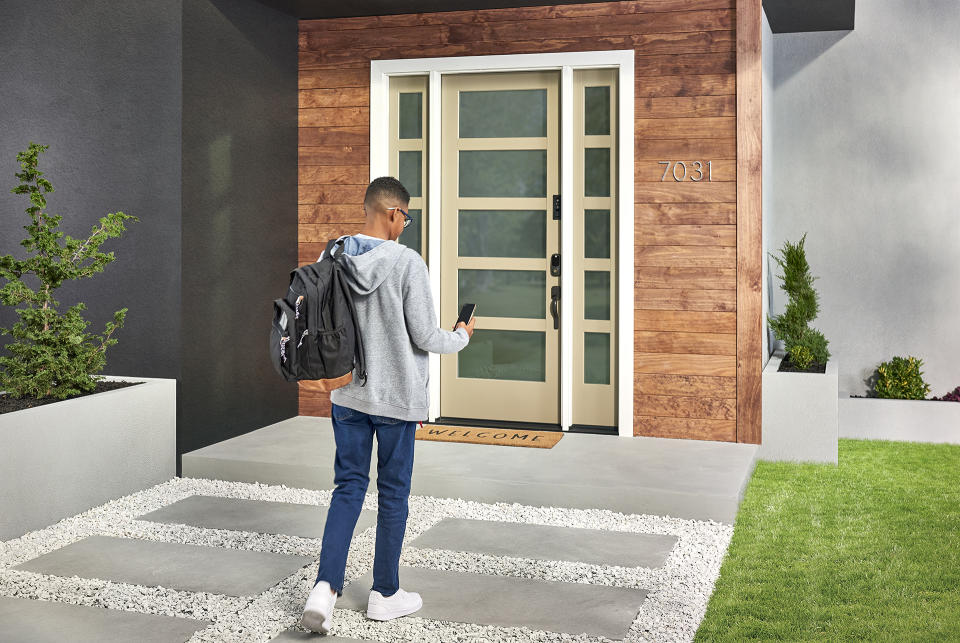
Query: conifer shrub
[[806, 347], [52, 355]]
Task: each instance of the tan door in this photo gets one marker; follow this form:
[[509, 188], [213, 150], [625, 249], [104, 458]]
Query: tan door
[[500, 171]]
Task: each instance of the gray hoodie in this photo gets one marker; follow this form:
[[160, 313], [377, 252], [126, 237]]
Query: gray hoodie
[[391, 294]]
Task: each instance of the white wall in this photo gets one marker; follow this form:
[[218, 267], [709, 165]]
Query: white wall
[[766, 136], [865, 159]]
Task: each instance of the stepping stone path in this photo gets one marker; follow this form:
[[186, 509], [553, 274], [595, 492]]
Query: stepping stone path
[[209, 560]]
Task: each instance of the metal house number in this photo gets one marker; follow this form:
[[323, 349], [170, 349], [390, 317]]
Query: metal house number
[[697, 168]]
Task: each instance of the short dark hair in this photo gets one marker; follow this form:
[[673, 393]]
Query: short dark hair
[[385, 187]]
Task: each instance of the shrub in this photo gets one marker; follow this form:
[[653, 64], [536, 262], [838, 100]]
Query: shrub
[[952, 396], [901, 379], [805, 346], [54, 357]]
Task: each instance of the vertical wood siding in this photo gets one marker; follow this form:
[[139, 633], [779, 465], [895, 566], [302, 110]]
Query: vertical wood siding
[[686, 276]]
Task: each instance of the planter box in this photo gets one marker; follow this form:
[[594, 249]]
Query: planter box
[[60, 459], [905, 420], [800, 414]]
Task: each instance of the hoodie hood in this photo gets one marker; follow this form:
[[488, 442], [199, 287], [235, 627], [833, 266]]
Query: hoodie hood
[[367, 270]]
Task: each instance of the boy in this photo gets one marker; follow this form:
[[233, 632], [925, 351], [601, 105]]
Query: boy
[[394, 306]]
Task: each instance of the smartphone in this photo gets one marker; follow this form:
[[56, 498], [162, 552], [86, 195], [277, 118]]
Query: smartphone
[[466, 314]]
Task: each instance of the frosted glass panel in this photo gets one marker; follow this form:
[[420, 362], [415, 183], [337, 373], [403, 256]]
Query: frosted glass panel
[[411, 235], [596, 168], [503, 173], [505, 113], [410, 172], [504, 355], [596, 296], [596, 110], [596, 358], [596, 234], [411, 116], [503, 233], [504, 293]]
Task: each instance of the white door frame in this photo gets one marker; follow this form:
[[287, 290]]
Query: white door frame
[[566, 62]]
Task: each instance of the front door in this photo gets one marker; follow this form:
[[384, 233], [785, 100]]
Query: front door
[[499, 174]]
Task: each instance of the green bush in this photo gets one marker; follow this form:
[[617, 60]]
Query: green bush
[[804, 345], [901, 379], [53, 356]]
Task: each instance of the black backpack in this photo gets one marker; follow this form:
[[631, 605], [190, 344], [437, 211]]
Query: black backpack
[[315, 335]]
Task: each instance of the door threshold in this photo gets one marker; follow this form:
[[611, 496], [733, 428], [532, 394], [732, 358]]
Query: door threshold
[[495, 424], [593, 428]]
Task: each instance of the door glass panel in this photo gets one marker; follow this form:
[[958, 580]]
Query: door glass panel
[[504, 293], [503, 114], [596, 358], [411, 115], [596, 117], [410, 172], [596, 171], [596, 234], [410, 236], [596, 296], [502, 233], [504, 173], [504, 355]]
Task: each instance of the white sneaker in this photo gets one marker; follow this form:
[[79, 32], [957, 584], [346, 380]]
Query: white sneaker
[[319, 609], [401, 603]]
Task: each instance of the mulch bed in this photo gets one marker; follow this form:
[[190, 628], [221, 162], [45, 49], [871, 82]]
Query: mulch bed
[[10, 404], [787, 365]]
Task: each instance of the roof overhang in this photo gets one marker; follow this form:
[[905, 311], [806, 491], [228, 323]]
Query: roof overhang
[[787, 16], [783, 15]]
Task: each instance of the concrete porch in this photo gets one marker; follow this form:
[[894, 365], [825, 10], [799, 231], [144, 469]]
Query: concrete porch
[[689, 479]]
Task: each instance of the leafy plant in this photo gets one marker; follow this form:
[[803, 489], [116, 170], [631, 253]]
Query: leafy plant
[[54, 356], [952, 396], [902, 379], [805, 346]]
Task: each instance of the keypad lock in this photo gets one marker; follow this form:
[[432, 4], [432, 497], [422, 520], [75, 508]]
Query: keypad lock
[[555, 265]]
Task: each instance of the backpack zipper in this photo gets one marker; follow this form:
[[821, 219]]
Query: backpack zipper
[[297, 307], [305, 331], [283, 352]]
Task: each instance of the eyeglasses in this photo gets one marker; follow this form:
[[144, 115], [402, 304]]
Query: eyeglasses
[[407, 220]]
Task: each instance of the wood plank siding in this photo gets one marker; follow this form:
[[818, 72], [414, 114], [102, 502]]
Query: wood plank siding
[[697, 244]]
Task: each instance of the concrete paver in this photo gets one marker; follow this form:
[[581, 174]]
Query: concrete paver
[[507, 601], [187, 567], [260, 516], [37, 621], [545, 542]]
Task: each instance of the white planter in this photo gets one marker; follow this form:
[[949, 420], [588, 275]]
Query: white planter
[[800, 414], [62, 458], [904, 420]]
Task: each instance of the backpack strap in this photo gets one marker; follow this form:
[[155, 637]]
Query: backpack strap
[[333, 242], [358, 336]]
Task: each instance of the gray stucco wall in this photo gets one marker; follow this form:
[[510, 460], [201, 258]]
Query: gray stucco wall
[[864, 154], [99, 82], [239, 214], [183, 113]]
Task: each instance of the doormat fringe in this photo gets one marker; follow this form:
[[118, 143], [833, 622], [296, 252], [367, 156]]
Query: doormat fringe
[[480, 435]]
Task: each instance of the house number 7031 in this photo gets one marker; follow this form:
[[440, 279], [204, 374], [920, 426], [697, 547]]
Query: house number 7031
[[697, 167]]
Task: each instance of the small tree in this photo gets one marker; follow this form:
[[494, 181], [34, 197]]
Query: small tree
[[804, 345], [54, 356]]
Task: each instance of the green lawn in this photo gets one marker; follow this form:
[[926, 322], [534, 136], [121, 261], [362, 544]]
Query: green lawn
[[867, 550]]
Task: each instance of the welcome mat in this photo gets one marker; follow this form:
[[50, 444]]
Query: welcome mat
[[479, 435]]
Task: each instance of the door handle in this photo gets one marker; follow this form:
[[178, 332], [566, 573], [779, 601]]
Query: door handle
[[555, 306]]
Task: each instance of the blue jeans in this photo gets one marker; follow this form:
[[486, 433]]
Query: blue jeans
[[353, 431]]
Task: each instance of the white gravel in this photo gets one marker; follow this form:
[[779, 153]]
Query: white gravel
[[672, 611]]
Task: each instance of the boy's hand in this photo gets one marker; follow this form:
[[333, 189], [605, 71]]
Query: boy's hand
[[467, 327]]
